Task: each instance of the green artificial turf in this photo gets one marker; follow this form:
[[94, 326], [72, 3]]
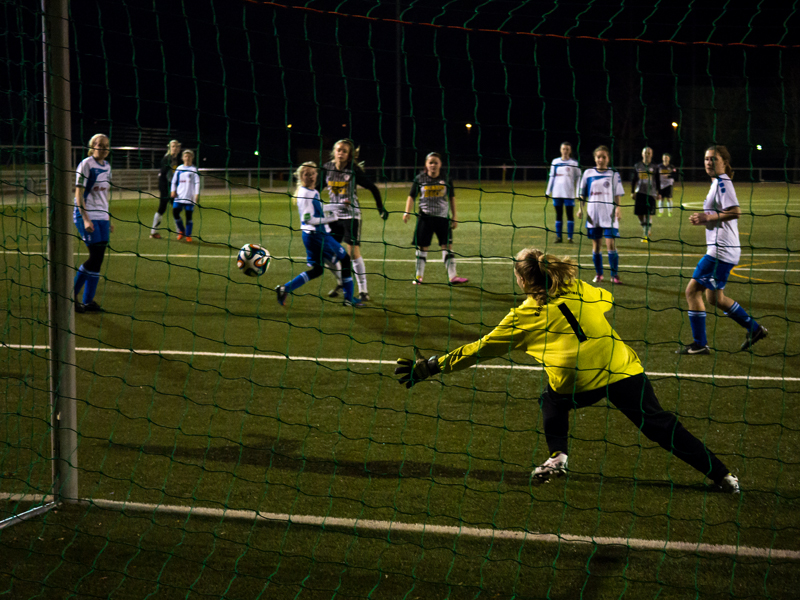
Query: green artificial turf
[[186, 398]]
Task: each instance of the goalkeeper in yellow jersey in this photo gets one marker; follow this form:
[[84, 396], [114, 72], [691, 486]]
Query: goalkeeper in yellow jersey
[[562, 325]]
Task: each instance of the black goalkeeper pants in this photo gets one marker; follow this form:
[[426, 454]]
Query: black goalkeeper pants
[[636, 399]]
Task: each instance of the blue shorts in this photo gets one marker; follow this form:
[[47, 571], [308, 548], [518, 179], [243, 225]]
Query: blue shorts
[[711, 273], [596, 233], [563, 201], [322, 246], [101, 233], [188, 206]]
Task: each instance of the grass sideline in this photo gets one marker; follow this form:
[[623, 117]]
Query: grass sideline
[[202, 422]]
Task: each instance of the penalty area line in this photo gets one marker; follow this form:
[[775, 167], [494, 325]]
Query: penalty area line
[[355, 525], [369, 361]]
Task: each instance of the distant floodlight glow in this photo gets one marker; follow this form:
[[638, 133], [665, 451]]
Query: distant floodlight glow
[[758, 146], [674, 125], [289, 126], [256, 152], [469, 125]]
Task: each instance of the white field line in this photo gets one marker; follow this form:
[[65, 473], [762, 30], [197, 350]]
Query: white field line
[[463, 261], [516, 535], [367, 361]]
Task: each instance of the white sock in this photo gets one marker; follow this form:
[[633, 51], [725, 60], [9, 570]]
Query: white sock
[[336, 269], [422, 258], [449, 263], [361, 275], [156, 223], [669, 204]]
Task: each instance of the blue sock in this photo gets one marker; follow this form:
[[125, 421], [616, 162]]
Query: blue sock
[[189, 228], [570, 229], [296, 282], [92, 279], [597, 259], [347, 284], [613, 262], [179, 224], [80, 279], [738, 314], [558, 228], [697, 319]]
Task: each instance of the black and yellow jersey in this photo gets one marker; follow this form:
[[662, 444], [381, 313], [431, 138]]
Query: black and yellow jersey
[[570, 336]]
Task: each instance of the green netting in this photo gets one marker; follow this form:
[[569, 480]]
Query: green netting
[[231, 447]]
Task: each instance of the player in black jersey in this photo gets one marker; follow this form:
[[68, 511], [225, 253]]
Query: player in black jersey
[[645, 191], [169, 163], [341, 175], [437, 215], [668, 174]]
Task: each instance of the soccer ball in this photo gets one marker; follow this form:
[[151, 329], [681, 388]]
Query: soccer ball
[[253, 260]]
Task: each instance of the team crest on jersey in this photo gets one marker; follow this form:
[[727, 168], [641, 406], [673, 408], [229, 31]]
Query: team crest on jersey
[[606, 184]]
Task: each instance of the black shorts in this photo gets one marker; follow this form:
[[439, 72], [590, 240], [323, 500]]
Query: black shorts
[[666, 192], [346, 231], [645, 204], [427, 226]]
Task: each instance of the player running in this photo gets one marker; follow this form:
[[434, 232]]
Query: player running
[[562, 325], [562, 188], [667, 174], [645, 191], [341, 175], [92, 219], [185, 194], [437, 214], [720, 214], [601, 191], [320, 245], [169, 163]]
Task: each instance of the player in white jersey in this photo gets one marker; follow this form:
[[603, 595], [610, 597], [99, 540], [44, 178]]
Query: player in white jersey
[[719, 217], [437, 215], [92, 219], [667, 174], [321, 247], [341, 176], [562, 188], [185, 194], [601, 190]]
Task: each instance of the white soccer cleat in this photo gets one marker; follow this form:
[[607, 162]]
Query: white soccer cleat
[[729, 484], [555, 466], [597, 279]]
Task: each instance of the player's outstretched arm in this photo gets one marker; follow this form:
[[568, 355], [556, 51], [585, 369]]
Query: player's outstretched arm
[[412, 372]]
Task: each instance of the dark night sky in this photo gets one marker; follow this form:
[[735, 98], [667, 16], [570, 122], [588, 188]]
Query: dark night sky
[[229, 76]]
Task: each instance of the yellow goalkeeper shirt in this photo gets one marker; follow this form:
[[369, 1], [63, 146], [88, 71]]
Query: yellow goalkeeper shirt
[[569, 336]]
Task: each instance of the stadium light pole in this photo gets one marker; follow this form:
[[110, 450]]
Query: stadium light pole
[[58, 141]]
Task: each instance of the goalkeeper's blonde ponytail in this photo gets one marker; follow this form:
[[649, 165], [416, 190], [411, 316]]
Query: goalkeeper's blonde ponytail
[[543, 276]]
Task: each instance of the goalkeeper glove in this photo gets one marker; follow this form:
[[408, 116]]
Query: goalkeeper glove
[[413, 372], [383, 213]]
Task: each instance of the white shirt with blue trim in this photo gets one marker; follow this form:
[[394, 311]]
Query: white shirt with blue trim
[[186, 184], [564, 177], [95, 179], [722, 238], [599, 188]]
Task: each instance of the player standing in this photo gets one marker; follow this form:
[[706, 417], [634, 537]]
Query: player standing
[[92, 219], [169, 163], [320, 245], [562, 188], [720, 214], [437, 214], [562, 325], [667, 175], [601, 189], [185, 194], [341, 175], [645, 191]]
